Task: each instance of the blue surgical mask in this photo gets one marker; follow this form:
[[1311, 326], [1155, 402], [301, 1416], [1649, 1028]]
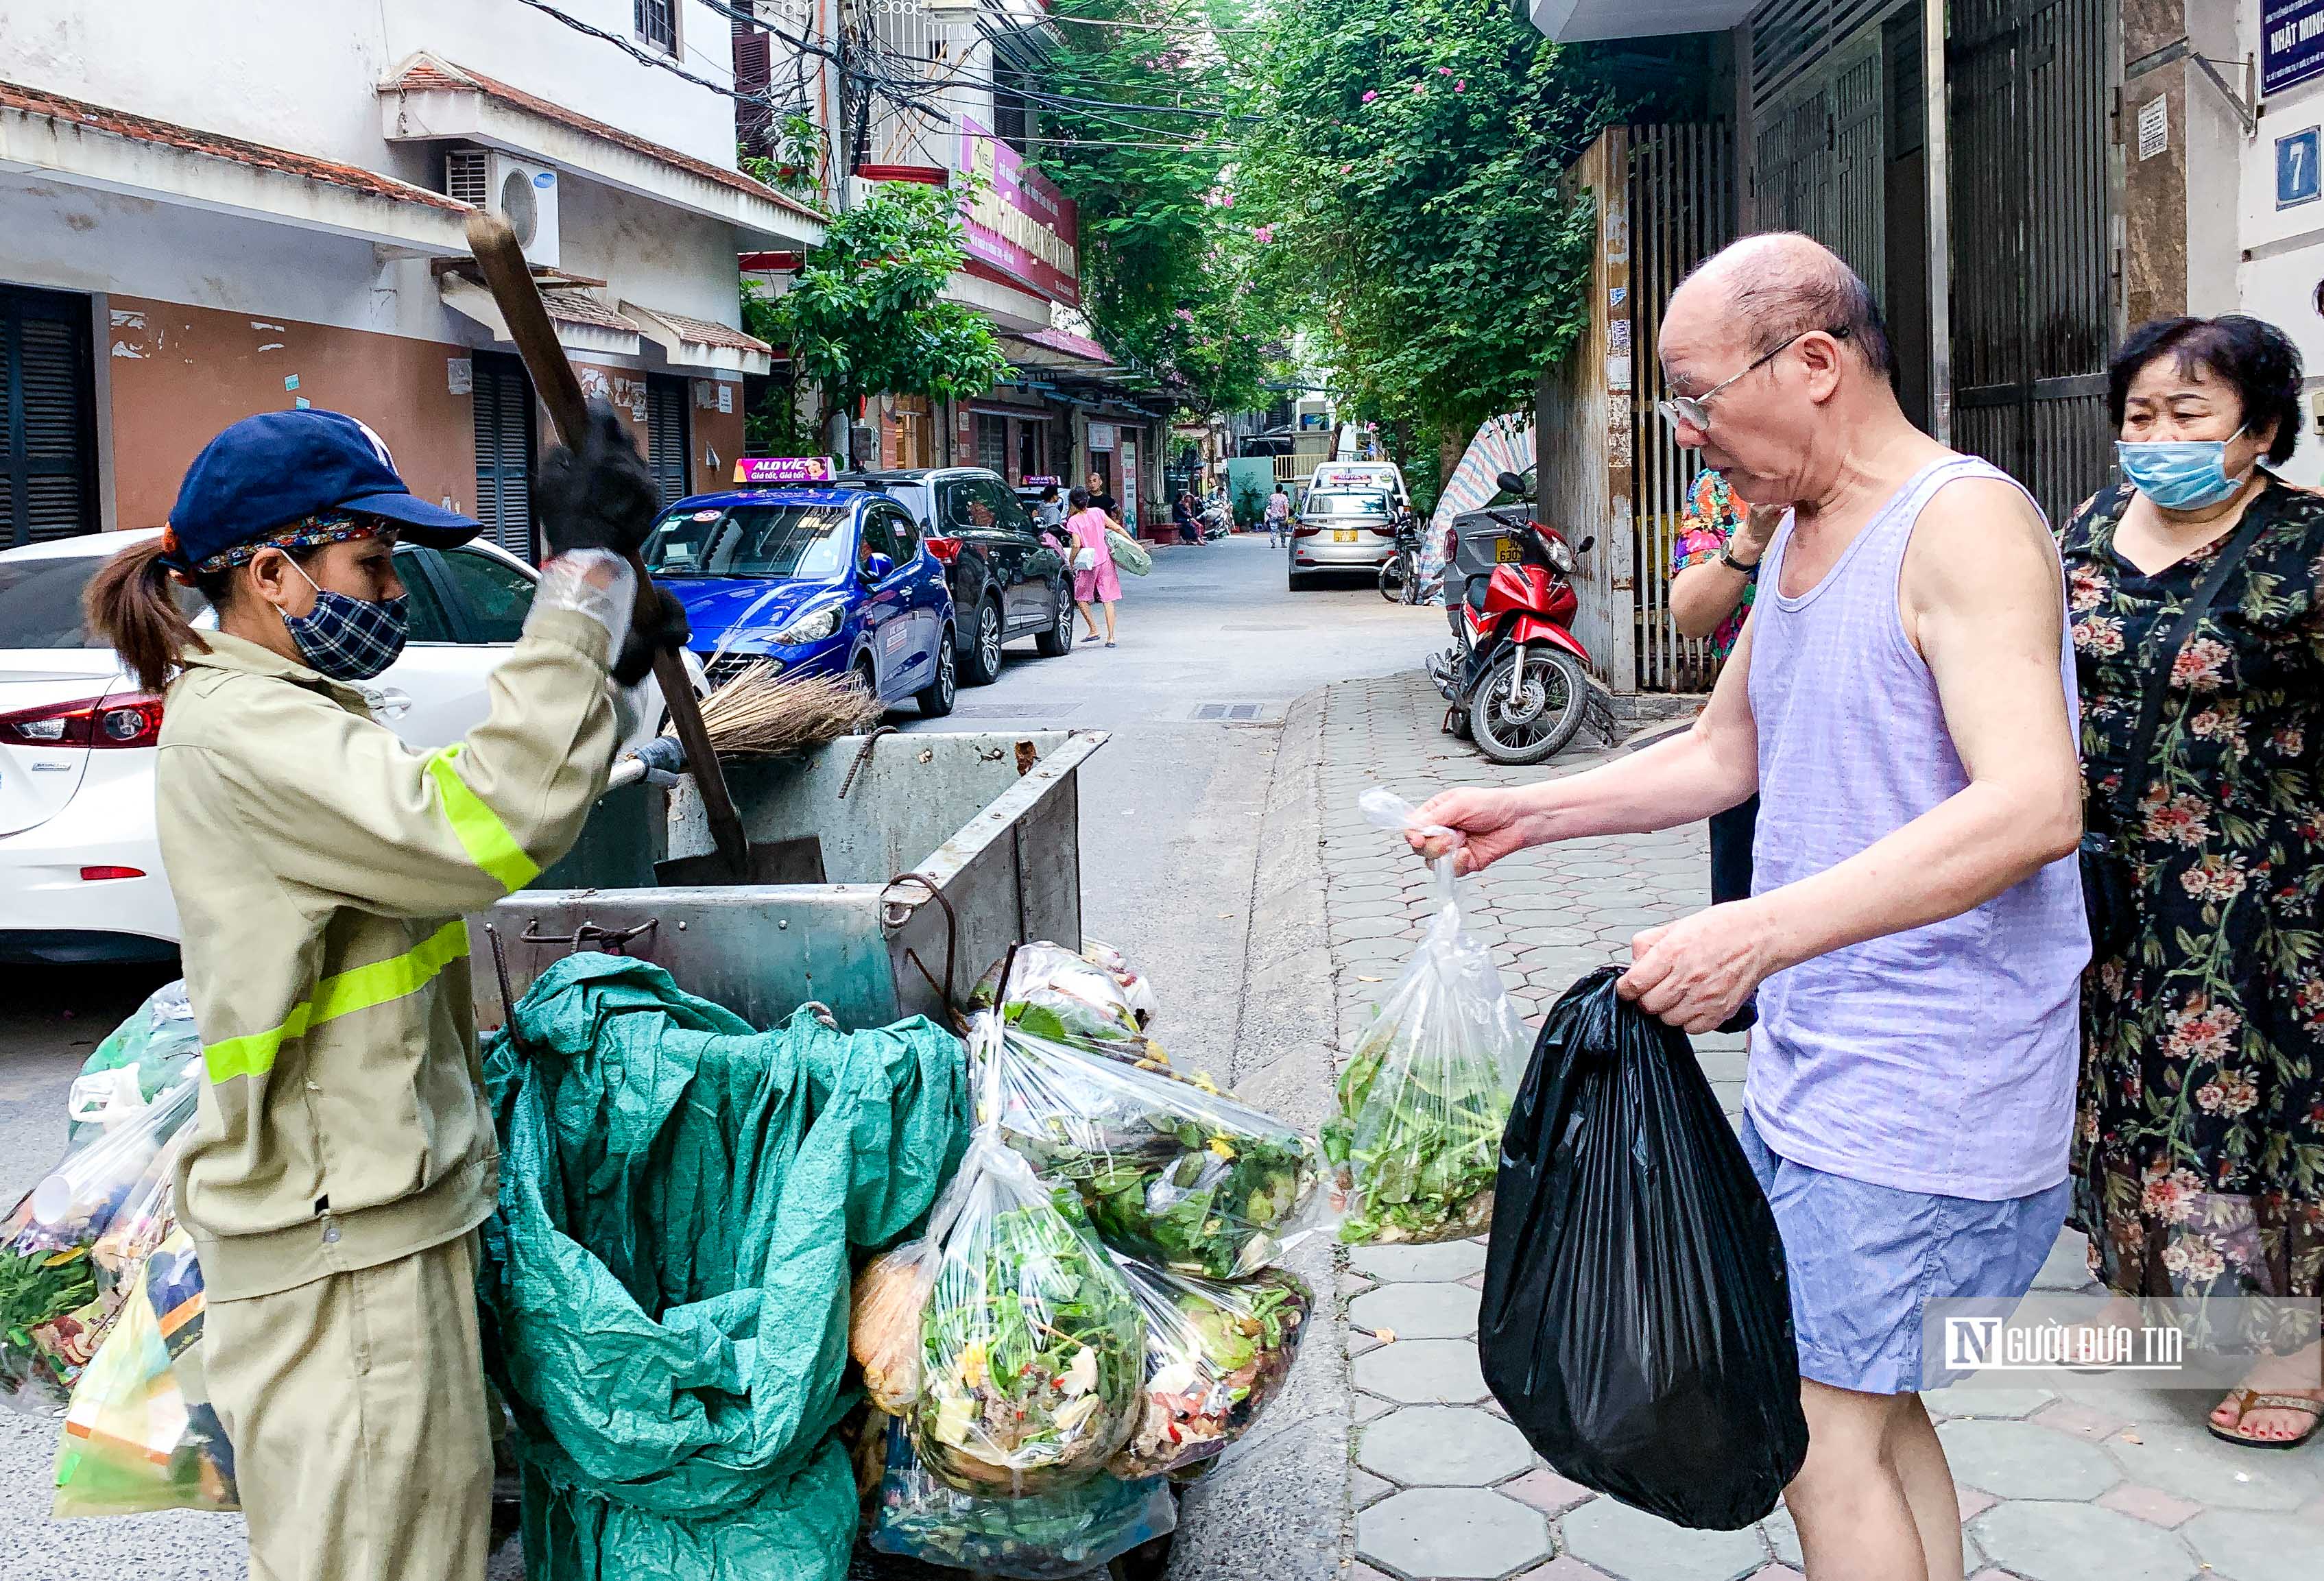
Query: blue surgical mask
[[348, 639], [2180, 474]]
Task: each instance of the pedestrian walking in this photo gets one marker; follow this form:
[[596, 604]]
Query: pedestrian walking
[[1102, 499], [1714, 574], [344, 1155], [1095, 581], [2194, 586], [1278, 518], [1901, 699]]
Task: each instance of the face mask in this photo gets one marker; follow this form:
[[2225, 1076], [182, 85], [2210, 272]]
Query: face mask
[[2180, 474], [348, 639]]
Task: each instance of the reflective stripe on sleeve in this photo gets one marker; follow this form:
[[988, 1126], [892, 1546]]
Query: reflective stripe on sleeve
[[481, 833], [360, 988]]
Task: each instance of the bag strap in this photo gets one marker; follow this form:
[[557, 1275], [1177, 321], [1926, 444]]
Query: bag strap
[[2191, 614]]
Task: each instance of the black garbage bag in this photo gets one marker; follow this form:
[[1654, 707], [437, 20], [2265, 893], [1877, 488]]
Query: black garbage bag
[[1635, 1322]]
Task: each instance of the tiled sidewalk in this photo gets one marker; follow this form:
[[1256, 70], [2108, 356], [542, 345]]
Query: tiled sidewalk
[[2102, 1486]]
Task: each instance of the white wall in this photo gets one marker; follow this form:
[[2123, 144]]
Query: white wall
[[2282, 249], [653, 255]]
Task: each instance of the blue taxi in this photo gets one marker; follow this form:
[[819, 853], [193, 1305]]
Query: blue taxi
[[817, 580]]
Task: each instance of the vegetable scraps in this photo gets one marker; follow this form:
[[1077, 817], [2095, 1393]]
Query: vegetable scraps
[[1216, 1355]]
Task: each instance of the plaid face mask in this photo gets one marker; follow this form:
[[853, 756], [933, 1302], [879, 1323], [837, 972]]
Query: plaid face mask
[[348, 639]]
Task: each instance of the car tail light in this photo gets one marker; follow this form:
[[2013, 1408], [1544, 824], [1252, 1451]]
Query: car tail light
[[98, 874], [133, 721], [946, 549], [1304, 530]]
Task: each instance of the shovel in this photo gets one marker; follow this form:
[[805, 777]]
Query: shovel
[[735, 860]]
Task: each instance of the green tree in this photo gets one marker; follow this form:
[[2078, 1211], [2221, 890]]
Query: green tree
[[866, 315]]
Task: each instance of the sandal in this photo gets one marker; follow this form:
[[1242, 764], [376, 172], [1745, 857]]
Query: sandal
[[2250, 1400]]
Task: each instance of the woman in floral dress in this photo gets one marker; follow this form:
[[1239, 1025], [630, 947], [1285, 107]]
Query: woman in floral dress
[[2200, 1148]]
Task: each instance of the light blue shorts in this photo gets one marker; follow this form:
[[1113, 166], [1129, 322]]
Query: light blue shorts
[[1864, 1259]]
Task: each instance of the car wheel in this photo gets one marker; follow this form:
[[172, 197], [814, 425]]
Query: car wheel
[[980, 665], [866, 679], [1058, 640], [936, 699]]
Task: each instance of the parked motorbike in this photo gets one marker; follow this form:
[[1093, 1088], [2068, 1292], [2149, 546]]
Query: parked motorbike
[[1217, 521], [1517, 679], [1399, 573]]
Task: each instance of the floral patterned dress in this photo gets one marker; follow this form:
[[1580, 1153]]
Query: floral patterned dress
[[1710, 519], [2200, 1154]]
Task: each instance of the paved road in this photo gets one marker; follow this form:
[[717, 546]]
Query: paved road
[[1171, 841]]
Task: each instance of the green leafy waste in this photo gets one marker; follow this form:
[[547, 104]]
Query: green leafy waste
[[1214, 1205], [1416, 1144]]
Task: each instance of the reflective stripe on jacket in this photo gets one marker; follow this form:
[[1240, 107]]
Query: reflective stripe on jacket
[[320, 868]]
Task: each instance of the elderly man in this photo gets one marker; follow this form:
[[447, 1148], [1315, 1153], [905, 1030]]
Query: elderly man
[[1901, 701]]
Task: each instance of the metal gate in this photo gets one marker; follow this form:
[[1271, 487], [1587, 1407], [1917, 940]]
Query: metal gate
[[2032, 301], [1820, 155]]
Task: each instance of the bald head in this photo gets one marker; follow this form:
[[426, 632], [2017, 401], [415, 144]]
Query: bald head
[[1779, 285]]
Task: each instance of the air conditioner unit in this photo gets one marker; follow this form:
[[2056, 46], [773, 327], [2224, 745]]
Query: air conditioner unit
[[520, 191]]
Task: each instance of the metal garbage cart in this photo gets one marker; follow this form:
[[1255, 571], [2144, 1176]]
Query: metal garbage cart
[[939, 852]]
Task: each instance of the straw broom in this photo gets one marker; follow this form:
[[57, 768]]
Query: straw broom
[[759, 713]]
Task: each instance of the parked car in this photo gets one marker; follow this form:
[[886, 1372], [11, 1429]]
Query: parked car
[[1341, 529], [1383, 475], [80, 865], [1009, 579], [831, 580]]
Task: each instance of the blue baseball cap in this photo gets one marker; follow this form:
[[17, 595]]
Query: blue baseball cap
[[266, 472]]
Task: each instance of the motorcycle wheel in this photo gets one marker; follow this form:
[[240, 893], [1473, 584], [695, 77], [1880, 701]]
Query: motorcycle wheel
[[1391, 579], [1525, 720]]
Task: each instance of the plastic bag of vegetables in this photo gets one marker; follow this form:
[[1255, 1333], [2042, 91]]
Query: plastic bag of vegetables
[[1136, 991], [1216, 1355], [1042, 1537], [1031, 1348], [148, 1053], [1055, 994], [1169, 1169], [1426, 1089]]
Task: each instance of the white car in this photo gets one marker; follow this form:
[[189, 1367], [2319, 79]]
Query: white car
[[80, 864]]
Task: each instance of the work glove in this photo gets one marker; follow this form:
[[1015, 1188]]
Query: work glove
[[660, 625], [601, 497]]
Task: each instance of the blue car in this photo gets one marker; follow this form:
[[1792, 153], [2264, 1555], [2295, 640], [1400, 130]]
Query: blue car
[[819, 581]]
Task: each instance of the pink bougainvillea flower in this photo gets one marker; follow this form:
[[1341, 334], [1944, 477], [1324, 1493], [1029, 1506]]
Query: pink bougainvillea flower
[[1420, 87], [1264, 234], [1345, 169], [1370, 94], [1461, 86], [1444, 72]]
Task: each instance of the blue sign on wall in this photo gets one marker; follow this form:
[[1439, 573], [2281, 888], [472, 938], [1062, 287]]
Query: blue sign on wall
[[2291, 43], [2295, 168]]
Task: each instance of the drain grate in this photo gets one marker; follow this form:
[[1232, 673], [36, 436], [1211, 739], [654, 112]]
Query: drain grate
[[1221, 711], [1012, 710]]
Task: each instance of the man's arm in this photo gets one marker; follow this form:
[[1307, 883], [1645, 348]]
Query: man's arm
[[1980, 597]]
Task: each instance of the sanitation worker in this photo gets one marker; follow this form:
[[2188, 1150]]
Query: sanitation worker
[[344, 1155]]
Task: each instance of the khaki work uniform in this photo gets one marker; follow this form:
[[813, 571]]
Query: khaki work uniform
[[342, 1152]]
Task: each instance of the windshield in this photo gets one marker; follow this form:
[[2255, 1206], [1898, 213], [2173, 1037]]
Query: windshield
[[1365, 505], [806, 541], [40, 602]]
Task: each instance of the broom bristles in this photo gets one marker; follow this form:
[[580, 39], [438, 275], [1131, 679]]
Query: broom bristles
[[761, 713]]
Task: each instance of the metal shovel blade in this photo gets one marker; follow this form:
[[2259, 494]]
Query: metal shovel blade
[[774, 861]]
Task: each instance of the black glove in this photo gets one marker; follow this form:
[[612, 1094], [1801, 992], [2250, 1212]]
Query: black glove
[[657, 627], [602, 497]]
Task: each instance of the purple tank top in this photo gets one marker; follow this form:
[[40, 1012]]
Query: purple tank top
[[1942, 1060]]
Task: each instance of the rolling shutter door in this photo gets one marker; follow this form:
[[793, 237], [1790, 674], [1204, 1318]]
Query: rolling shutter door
[[48, 450], [504, 430], [666, 435]]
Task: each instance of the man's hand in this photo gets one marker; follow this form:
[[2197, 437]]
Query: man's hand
[[1491, 824], [662, 626], [1696, 972], [599, 497]]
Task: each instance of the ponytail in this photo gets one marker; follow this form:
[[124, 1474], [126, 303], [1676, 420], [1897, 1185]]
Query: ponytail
[[131, 604]]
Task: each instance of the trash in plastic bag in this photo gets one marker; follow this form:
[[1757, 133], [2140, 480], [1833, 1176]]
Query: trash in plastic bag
[[1216, 1354], [664, 1287], [883, 1326], [150, 1051], [53, 1310], [1041, 1537], [1054, 992], [1635, 1322], [1134, 988], [1170, 1170], [1032, 1351], [140, 1434], [1426, 1088]]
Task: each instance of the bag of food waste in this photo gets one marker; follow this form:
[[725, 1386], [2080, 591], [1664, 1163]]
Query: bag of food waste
[[1032, 1352], [140, 1434], [1216, 1354], [1056, 993], [1426, 1088], [53, 1311], [146, 1053], [1135, 989], [1635, 1322], [1169, 1168], [1040, 1537], [664, 1287]]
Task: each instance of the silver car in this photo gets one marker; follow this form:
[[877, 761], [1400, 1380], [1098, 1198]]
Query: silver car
[[1341, 529]]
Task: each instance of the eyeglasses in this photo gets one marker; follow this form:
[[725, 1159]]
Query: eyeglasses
[[1690, 410]]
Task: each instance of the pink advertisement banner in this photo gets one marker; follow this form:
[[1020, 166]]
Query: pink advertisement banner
[[1017, 220]]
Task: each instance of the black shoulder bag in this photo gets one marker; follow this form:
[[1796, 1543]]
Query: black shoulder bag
[[2109, 886]]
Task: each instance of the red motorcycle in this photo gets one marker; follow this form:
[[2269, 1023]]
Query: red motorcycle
[[1517, 680]]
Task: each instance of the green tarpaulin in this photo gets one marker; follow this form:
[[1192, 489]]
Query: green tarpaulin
[[665, 1286]]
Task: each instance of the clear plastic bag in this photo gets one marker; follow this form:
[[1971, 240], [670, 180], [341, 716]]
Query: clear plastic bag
[[1032, 1352], [1136, 991], [1054, 992], [1169, 1169], [1042, 1537], [52, 1311], [140, 1434], [1216, 1354], [1426, 1088], [147, 1053], [883, 1325]]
